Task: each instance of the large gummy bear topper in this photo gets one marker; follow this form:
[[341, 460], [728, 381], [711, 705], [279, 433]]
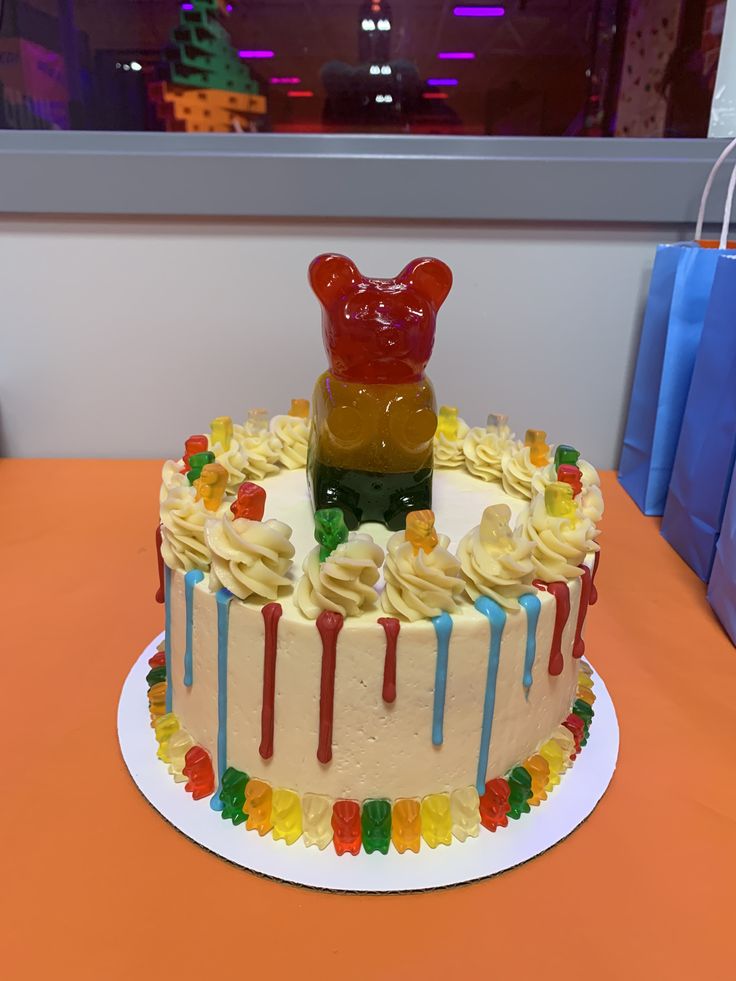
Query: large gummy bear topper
[[379, 330]]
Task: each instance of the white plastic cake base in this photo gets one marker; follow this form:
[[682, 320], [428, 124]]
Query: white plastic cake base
[[568, 805]]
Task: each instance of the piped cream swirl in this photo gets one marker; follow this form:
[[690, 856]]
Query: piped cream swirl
[[483, 450], [344, 582], [171, 477], [183, 519], [292, 433], [496, 562], [559, 544], [422, 584], [259, 453], [518, 471], [448, 452], [250, 558]]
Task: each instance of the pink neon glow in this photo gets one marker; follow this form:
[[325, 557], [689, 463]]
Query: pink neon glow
[[256, 53], [442, 81], [286, 80], [300, 94], [456, 55], [434, 95], [478, 11], [187, 6]]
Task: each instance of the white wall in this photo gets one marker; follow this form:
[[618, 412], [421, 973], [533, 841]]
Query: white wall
[[122, 337]]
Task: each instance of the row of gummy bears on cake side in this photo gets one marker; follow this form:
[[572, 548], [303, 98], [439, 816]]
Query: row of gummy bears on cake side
[[437, 818]]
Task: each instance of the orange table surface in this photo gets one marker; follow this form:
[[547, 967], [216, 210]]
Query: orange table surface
[[95, 884]]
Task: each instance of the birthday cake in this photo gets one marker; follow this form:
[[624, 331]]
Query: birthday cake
[[373, 612]]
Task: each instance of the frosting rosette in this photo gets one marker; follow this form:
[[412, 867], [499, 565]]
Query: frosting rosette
[[183, 545], [171, 477], [591, 499], [560, 544], [518, 471], [448, 450], [344, 583], [235, 461], [258, 453], [292, 433], [496, 561], [483, 450], [420, 584], [250, 558]]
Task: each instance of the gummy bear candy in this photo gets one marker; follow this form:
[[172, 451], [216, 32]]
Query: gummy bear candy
[[195, 444], [157, 701], [447, 423], [199, 773], [159, 660], [286, 815], [585, 695], [495, 529], [566, 741], [155, 675], [257, 422], [465, 811], [346, 826], [536, 440], [584, 679], [330, 530], [585, 712], [576, 726], [211, 485], [572, 476], [406, 825], [232, 795], [497, 420], [494, 804], [420, 531], [299, 408], [558, 500], [436, 820], [538, 769], [258, 805], [373, 410], [178, 747], [567, 455], [197, 461], [317, 820], [520, 787], [376, 826], [222, 432], [165, 727], [250, 502], [552, 753]]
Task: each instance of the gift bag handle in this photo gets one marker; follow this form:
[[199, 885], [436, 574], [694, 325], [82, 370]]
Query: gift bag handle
[[726, 152], [727, 213]]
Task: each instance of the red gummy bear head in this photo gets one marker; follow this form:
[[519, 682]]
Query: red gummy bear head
[[379, 330]]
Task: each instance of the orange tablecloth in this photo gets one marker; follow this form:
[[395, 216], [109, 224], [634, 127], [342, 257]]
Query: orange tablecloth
[[95, 884]]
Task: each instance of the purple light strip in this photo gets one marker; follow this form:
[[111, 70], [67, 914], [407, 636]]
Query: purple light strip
[[478, 11], [456, 55], [285, 80], [256, 53], [442, 81], [187, 6]]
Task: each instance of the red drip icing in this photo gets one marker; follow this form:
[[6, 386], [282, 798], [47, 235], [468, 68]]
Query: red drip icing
[[562, 612], [391, 628], [586, 584], [271, 614], [329, 625], [593, 590], [160, 591]]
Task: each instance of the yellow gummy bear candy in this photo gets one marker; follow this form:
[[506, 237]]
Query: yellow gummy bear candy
[[177, 748], [558, 500], [286, 815], [222, 432], [317, 820], [436, 820], [157, 701], [447, 423], [465, 812], [211, 485], [258, 805], [164, 728], [406, 825], [584, 680], [551, 752], [538, 769], [536, 440], [420, 531]]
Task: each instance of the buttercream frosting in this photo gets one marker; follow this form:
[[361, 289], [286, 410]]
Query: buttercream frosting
[[420, 584], [250, 558], [560, 544], [293, 435], [260, 453], [496, 561], [344, 582], [171, 477], [483, 450], [182, 530], [591, 499], [448, 451], [518, 471], [235, 461]]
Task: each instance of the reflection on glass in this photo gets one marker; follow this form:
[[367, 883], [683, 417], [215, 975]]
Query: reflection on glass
[[524, 67]]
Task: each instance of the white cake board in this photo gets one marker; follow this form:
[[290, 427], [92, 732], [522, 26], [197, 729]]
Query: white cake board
[[568, 805]]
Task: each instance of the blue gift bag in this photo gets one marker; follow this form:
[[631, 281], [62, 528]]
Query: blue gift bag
[[678, 295], [707, 446], [722, 586]]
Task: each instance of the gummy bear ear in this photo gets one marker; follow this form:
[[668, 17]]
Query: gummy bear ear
[[332, 275], [431, 277]]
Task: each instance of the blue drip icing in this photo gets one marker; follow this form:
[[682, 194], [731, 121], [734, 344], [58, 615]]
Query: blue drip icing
[[190, 581], [223, 597], [530, 602], [497, 621], [443, 629], [167, 638]]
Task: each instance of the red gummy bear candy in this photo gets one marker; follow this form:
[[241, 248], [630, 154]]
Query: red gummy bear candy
[[494, 804], [195, 444], [158, 660], [346, 826], [250, 503], [568, 474], [575, 725], [200, 775]]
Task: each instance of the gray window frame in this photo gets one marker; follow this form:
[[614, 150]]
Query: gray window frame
[[534, 179]]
